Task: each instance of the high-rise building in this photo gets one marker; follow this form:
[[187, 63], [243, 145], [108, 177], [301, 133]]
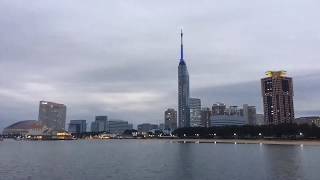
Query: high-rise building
[[205, 117], [77, 126], [99, 124], [170, 119], [249, 112], [183, 91], [195, 112], [52, 115], [218, 109], [277, 93]]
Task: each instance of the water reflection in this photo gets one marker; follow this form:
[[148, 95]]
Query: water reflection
[[283, 162], [185, 161]]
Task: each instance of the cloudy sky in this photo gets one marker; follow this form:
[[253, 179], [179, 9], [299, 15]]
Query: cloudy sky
[[120, 58]]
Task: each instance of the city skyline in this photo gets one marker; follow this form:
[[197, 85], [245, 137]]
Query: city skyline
[[127, 68]]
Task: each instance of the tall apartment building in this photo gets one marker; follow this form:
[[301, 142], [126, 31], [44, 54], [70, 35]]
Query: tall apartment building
[[52, 115], [277, 93], [170, 119]]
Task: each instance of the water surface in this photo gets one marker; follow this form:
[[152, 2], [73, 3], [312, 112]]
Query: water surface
[[155, 159]]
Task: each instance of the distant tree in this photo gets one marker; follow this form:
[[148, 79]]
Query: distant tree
[[288, 131]]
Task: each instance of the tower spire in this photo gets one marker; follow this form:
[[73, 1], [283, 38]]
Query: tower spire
[[181, 55]]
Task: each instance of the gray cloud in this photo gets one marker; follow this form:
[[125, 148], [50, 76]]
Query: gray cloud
[[120, 57]]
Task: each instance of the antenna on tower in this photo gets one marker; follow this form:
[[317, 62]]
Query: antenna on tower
[[181, 55]]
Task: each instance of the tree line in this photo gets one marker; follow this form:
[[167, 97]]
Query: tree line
[[283, 131]]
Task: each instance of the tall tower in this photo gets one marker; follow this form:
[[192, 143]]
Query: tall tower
[[183, 91], [277, 93]]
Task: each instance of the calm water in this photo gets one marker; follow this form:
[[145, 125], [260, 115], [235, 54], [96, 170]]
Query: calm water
[[155, 159]]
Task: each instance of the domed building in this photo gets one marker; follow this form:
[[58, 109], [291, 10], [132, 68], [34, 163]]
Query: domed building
[[22, 128]]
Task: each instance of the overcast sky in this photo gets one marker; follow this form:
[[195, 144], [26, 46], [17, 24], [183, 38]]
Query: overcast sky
[[120, 58]]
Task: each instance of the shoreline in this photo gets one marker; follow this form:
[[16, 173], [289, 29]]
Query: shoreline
[[212, 141], [248, 141]]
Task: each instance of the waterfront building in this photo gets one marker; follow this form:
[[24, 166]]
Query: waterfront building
[[311, 120], [277, 93], [205, 117], [249, 112], [22, 128], [115, 126], [233, 115], [147, 127], [228, 120], [101, 123], [77, 126], [52, 115], [94, 126], [170, 119], [183, 91], [234, 111], [218, 109], [195, 112]]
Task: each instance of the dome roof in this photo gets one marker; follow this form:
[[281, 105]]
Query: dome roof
[[28, 124]]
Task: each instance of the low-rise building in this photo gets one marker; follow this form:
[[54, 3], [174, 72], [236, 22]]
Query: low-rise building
[[228, 120], [146, 127], [22, 128], [311, 120], [118, 126]]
